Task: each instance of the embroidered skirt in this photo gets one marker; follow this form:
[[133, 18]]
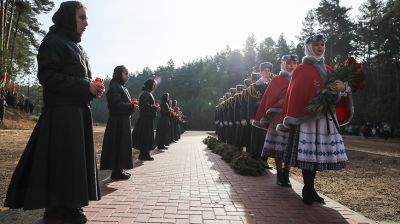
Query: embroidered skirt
[[275, 142], [311, 147]]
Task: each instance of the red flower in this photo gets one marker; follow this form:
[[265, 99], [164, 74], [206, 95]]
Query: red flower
[[349, 71], [134, 102]]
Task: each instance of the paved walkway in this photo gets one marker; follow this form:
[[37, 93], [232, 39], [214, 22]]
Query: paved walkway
[[189, 184]]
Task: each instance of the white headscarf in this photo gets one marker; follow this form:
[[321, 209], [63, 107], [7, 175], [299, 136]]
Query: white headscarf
[[308, 51]]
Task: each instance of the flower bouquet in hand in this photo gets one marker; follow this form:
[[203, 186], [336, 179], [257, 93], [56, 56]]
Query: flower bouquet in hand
[[349, 71], [157, 107], [135, 104]]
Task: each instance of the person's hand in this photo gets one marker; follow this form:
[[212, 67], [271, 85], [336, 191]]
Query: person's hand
[[337, 86], [135, 107], [96, 89]]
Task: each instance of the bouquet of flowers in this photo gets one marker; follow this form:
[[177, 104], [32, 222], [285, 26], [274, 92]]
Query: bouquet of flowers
[[349, 71]]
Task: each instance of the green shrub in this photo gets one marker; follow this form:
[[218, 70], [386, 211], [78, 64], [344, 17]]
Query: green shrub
[[230, 153], [211, 142], [244, 164], [220, 148]]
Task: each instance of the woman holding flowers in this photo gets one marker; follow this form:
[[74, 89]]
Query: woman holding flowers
[[116, 153], [314, 142], [143, 133], [271, 109]]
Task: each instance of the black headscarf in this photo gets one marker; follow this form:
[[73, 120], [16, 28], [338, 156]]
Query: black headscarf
[[148, 85], [65, 20], [117, 75], [165, 97]]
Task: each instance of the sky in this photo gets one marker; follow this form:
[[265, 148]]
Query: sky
[[147, 33]]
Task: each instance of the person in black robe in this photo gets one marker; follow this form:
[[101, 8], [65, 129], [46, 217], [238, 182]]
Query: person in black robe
[[143, 133], [116, 154], [164, 124], [57, 170], [257, 134]]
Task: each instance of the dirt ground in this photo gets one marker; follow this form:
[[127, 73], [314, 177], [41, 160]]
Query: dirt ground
[[369, 185]]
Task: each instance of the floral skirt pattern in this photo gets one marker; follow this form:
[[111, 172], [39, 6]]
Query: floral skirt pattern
[[275, 143], [311, 146]]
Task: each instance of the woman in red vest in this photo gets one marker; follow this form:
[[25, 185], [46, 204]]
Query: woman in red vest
[[314, 142], [271, 107]]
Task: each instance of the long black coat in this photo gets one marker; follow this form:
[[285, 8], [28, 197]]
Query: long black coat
[[143, 133], [163, 126], [117, 142], [58, 166], [257, 135]]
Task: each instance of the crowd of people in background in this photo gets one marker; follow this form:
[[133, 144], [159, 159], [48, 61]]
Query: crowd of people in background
[[381, 130], [13, 99]]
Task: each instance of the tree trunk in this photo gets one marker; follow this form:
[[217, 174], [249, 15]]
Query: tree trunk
[[10, 66], [1, 30], [9, 25]]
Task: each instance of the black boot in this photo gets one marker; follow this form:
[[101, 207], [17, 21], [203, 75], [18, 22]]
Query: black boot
[[315, 195], [286, 179], [280, 177], [74, 215], [118, 174], [308, 186]]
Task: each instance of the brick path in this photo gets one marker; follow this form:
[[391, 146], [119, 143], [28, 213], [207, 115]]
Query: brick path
[[189, 184]]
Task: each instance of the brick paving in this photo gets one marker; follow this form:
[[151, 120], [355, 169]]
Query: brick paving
[[189, 184]]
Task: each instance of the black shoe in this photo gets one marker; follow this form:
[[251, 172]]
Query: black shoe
[[307, 196], [148, 159], [53, 215], [126, 173], [316, 197], [119, 175], [75, 216], [162, 147]]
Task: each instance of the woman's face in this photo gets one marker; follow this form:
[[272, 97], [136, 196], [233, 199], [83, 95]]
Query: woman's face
[[125, 75], [290, 66], [81, 20], [318, 47], [154, 86]]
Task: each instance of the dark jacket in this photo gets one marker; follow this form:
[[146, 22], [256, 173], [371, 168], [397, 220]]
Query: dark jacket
[[58, 166], [117, 143]]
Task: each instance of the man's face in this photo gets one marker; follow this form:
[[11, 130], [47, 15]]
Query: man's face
[[265, 73]]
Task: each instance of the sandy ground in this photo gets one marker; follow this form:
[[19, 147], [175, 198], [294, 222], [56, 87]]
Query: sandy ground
[[369, 185]]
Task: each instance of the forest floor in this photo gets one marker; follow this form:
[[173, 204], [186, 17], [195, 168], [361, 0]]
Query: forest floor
[[370, 184]]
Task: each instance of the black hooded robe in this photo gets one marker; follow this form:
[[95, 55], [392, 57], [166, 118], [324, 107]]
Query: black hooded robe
[[58, 166], [143, 133], [163, 126], [117, 143]]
